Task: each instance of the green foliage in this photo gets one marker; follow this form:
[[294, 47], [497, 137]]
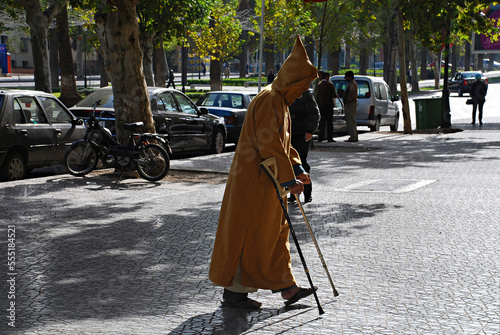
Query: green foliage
[[284, 20], [442, 22], [172, 17], [220, 36]]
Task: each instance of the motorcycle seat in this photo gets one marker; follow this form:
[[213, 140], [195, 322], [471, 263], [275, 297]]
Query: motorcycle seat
[[133, 125]]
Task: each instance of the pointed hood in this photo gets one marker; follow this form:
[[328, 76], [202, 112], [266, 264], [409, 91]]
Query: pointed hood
[[295, 75]]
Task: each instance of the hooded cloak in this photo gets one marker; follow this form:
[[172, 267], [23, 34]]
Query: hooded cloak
[[252, 232]]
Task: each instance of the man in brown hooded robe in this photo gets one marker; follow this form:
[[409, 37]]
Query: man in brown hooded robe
[[251, 249]]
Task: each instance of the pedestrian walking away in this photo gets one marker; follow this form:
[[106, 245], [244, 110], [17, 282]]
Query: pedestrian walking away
[[350, 105], [251, 249], [478, 95], [325, 96], [171, 79], [304, 113]]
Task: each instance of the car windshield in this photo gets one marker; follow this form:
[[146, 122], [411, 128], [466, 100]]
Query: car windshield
[[222, 100], [363, 88], [106, 97]]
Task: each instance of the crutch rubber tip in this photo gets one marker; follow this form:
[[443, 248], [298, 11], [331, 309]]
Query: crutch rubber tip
[[321, 311], [335, 293]]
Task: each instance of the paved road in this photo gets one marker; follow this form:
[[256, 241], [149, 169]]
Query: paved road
[[408, 226]]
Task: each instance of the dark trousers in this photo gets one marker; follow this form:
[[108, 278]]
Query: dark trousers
[[171, 82], [299, 143], [475, 104], [326, 121]]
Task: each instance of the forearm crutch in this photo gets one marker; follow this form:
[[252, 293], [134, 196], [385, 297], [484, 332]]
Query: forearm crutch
[[335, 293], [267, 164]]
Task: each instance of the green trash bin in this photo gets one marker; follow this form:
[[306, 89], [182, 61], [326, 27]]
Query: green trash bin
[[429, 112]]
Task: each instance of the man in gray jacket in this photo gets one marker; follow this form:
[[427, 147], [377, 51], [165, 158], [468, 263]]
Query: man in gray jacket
[[304, 113]]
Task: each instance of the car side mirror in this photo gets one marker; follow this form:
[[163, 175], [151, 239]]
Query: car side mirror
[[77, 122], [203, 110], [395, 98]]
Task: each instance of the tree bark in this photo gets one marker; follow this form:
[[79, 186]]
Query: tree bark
[[335, 56], [402, 77], [118, 32], [347, 61], [390, 51], [423, 63], [146, 42], [39, 22], [69, 92], [104, 75], [491, 62], [79, 55], [269, 56], [243, 54], [454, 58], [363, 58], [309, 45], [436, 59], [480, 58], [467, 60], [215, 75], [159, 61], [413, 58], [53, 58]]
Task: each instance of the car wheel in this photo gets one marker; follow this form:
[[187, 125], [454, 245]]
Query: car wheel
[[376, 127], [218, 142], [460, 93], [394, 127], [14, 167]]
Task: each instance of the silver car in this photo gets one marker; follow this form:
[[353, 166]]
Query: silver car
[[36, 129], [376, 105]]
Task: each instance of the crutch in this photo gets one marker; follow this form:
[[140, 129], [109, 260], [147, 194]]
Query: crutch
[[267, 164], [335, 293]]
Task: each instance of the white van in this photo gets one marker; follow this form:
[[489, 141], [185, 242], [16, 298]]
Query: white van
[[376, 105]]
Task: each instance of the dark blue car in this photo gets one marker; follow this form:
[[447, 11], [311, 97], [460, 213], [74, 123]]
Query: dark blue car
[[232, 106]]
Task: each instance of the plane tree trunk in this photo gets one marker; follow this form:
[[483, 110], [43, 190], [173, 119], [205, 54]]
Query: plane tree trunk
[[118, 32]]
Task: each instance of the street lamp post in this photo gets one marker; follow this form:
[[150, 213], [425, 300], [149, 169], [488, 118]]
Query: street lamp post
[[84, 58]]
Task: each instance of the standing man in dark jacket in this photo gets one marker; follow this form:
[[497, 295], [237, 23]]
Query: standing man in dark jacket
[[304, 114], [325, 96], [478, 95]]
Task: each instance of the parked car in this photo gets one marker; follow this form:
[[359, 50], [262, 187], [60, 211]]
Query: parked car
[[232, 106], [339, 116], [36, 129], [376, 105], [188, 126], [462, 82], [486, 63], [431, 65]]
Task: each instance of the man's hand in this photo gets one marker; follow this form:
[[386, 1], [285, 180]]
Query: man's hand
[[305, 178], [308, 137], [296, 188]]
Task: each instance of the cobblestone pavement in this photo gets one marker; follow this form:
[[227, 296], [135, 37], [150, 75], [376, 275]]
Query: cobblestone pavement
[[408, 225]]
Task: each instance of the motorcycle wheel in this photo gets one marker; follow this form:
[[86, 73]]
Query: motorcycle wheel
[[81, 159], [153, 163]]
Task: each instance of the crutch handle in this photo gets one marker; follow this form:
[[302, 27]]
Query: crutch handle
[[270, 165]]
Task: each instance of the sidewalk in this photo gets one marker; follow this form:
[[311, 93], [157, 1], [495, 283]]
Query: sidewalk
[[408, 225]]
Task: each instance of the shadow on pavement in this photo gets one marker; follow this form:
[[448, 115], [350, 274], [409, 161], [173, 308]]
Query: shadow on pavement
[[237, 321]]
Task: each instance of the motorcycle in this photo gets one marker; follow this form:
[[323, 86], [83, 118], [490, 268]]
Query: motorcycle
[[151, 160]]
